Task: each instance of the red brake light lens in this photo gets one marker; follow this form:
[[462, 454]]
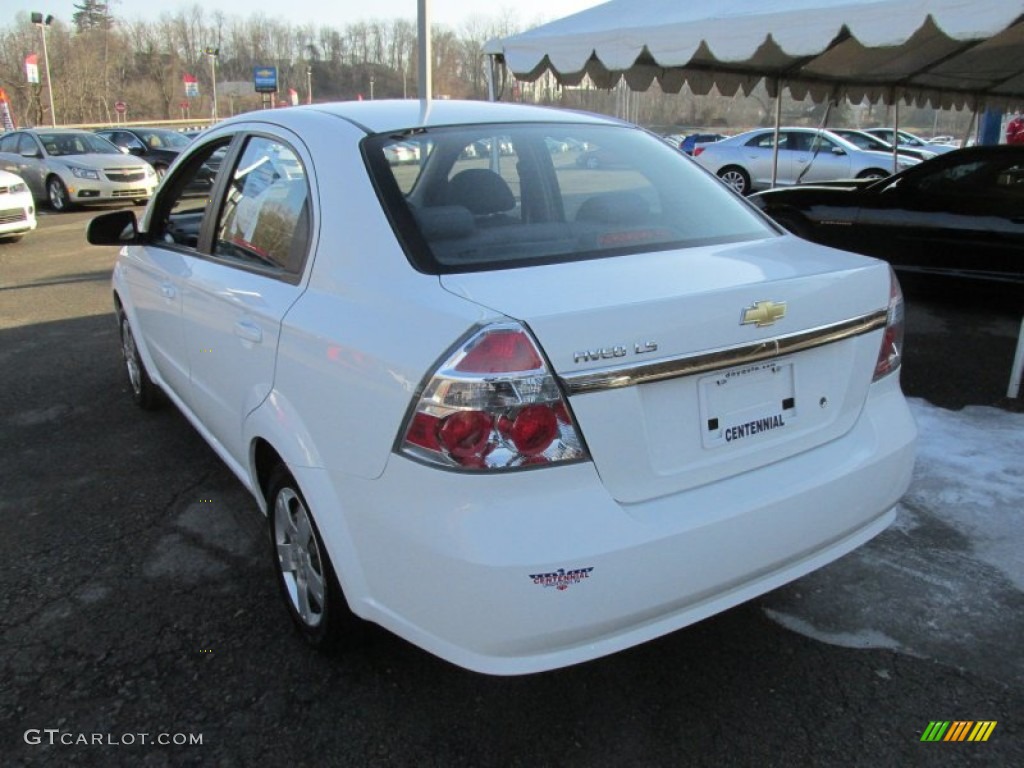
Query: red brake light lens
[[493, 405], [890, 355]]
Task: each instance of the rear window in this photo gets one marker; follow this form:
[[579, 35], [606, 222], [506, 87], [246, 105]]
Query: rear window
[[502, 196]]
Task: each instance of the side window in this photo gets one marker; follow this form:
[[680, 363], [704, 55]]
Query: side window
[[185, 198], [9, 143], [265, 218], [27, 144]]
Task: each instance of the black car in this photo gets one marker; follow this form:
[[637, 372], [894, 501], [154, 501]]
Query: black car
[[958, 214], [157, 146]]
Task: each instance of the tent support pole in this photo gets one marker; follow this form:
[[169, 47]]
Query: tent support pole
[[775, 138], [1018, 365], [490, 77]]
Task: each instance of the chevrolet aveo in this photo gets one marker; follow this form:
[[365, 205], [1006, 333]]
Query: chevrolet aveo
[[519, 412]]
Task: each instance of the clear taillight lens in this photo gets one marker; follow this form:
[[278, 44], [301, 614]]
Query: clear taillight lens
[[891, 353], [493, 405]]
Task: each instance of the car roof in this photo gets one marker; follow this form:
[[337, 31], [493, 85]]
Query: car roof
[[402, 114]]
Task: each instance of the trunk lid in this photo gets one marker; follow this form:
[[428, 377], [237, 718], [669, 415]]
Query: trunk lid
[[670, 387]]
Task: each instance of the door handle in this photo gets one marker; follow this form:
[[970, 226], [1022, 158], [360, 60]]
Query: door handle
[[249, 331], [167, 291]]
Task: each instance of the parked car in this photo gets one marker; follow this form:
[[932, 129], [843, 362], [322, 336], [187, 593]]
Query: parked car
[[520, 415], [17, 209], [910, 140], [70, 167], [688, 144], [805, 155], [869, 141], [959, 214], [157, 146]]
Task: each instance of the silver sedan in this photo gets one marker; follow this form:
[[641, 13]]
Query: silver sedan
[[67, 168], [805, 155]]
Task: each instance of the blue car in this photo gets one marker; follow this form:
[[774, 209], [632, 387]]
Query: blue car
[[687, 144]]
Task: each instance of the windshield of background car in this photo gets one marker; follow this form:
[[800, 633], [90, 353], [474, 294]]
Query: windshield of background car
[[61, 144], [499, 196], [156, 139]]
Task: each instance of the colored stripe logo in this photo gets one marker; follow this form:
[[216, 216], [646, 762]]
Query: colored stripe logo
[[958, 730]]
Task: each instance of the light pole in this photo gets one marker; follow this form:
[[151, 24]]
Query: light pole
[[309, 83], [43, 23], [213, 53], [371, 87]]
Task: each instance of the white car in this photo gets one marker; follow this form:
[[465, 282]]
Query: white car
[[67, 167], [915, 142], [805, 156], [520, 413], [17, 209]]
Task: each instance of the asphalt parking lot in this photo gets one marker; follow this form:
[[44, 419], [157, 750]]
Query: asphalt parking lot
[[138, 606]]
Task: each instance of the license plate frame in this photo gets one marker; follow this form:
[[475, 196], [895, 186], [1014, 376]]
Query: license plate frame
[[747, 404]]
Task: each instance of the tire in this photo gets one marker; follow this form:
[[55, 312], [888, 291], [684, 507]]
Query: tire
[[735, 177], [57, 193], [305, 574], [10, 238], [144, 392], [161, 171], [873, 173], [593, 163]]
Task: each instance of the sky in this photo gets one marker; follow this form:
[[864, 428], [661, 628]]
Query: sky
[[451, 13]]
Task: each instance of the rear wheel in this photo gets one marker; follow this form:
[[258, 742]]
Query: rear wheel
[[872, 173], [735, 177], [305, 575], [60, 200]]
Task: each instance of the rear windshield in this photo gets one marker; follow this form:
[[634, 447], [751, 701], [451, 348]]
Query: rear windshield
[[501, 196]]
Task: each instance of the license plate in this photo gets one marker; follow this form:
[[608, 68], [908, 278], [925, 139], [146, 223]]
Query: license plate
[[747, 404]]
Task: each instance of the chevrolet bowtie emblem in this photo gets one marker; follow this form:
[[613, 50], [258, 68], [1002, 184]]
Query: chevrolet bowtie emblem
[[763, 313]]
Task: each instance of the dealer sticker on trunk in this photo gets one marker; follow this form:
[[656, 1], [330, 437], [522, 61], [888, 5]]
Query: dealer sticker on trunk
[[742, 405]]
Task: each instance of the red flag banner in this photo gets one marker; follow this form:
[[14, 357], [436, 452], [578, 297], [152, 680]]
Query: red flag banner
[[6, 118], [191, 86], [32, 68]]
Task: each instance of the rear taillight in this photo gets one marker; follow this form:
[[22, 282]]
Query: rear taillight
[[697, 151], [493, 405], [891, 353]]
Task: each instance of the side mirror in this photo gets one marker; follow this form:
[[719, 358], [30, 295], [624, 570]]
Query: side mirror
[[838, 151], [114, 228], [34, 153], [137, 151]]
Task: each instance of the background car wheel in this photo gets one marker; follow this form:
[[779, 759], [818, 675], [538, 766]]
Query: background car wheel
[[735, 177], [593, 163], [873, 173], [10, 238], [161, 171], [305, 574], [144, 392], [60, 200]]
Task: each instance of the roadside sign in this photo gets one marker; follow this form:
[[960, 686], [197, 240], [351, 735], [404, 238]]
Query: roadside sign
[[120, 107], [265, 79]]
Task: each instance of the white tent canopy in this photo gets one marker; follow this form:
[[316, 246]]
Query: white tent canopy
[[949, 53]]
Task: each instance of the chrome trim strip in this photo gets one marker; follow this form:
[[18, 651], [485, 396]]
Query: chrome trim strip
[[630, 375]]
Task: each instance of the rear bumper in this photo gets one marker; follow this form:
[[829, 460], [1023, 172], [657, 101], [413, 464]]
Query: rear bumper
[[523, 572]]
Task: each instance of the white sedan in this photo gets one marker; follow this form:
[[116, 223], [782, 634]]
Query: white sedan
[[520, 413], [17, 209], [805, 156]]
